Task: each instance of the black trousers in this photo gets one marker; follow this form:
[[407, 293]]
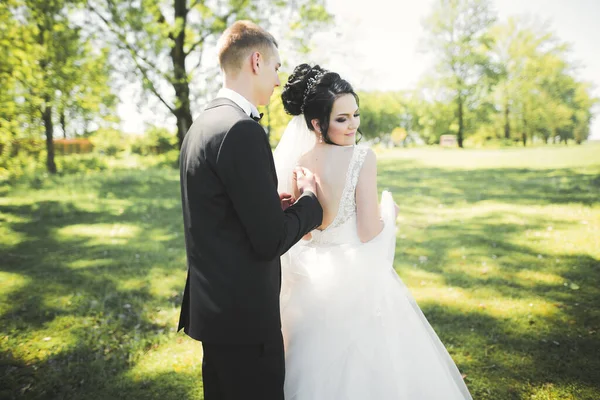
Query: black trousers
[[242, 371]]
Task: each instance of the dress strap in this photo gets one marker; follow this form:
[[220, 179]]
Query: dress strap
[[347, 206]]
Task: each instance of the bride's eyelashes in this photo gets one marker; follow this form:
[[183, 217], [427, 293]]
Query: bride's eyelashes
[[344, 119]]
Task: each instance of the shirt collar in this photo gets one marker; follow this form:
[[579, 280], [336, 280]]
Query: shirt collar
[[240, 100]]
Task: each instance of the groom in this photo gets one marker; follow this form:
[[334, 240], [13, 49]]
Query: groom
[[236, 227]]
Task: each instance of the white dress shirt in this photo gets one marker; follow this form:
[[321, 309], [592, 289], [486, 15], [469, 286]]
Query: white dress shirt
[[240, 100]]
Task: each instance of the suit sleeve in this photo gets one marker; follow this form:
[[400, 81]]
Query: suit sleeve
[[245, 166]]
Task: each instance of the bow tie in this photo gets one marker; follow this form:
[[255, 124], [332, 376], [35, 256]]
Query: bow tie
[[257, 118]]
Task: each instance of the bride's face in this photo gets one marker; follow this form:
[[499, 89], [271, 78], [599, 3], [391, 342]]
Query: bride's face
[[344, 121]]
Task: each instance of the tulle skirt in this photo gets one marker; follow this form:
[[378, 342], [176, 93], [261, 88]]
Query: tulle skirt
[[352, 330]]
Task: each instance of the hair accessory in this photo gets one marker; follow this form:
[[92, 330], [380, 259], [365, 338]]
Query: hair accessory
[[311, 83]]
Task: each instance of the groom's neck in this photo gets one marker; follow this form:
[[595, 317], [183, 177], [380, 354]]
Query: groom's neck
[[241, 85]]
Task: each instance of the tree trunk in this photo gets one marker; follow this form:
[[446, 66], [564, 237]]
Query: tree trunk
[[63, 123], [180, 82], [49, 128], [524, 134], [184, 121], [460, 121], [506, 120]]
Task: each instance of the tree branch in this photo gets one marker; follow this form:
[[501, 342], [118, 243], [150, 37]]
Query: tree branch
[[223, 19], [198, 63], [199, 42], [162, 20], [124, 45]]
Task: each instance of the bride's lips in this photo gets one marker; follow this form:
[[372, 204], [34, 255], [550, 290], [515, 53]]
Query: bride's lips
[[351, 134]]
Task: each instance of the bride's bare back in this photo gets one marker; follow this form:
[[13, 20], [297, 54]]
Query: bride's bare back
[[330, 165]]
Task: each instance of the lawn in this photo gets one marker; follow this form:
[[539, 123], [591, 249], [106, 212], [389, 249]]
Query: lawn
[[501, 248]]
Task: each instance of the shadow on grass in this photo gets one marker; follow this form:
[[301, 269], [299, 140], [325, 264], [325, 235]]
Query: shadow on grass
[[521, 186], [77, 374], [84, 304], [97, 289], [503, 362], [495, 257]]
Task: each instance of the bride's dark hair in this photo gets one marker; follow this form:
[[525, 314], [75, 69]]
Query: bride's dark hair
[[312, 91]]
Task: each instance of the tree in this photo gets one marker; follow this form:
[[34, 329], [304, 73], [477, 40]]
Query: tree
[[431, 116], [381, 113], [166, 41], [51, 71], [582, 115], [10, 110], [458, 34], [53, 44]]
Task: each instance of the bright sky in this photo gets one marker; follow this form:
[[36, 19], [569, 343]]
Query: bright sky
[[375, 44]]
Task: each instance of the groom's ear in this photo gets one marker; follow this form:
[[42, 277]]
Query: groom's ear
[[256, 59]]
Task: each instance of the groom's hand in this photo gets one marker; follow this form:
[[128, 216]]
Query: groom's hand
[[305, 180], [286, 200]]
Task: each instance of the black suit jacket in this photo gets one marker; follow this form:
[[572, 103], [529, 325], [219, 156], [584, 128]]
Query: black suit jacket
[[235, 230]]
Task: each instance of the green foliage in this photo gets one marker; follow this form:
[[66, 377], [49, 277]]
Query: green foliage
[[108, 141], [398, 136], [181, 30], [506, 82], [458, 34], [275, 119], [52, 73], [381, 113], [81, 163], [31, 167], [21, 157], [163, 139], [156, 140], [169, 160], [22, 165], [431, 119]]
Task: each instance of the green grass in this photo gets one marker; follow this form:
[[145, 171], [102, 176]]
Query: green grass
[[501, 248]]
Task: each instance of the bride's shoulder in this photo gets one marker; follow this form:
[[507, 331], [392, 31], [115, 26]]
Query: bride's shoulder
[[368, 161], [366, 153], [363, 147]]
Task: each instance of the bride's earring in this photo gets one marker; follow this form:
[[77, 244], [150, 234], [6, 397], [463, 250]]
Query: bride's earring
[[320, 138]]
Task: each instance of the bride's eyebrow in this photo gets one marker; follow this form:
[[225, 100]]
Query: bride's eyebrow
[[348, 114]]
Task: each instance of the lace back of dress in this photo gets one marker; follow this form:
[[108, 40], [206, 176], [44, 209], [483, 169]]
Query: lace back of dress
[[347, 207]]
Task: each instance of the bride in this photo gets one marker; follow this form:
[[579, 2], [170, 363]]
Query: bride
[[351, 328]]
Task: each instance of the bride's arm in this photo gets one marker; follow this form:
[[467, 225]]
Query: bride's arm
[[369, 222]]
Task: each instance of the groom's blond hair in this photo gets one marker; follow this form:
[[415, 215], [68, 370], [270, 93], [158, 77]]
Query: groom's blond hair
[[239, 41]]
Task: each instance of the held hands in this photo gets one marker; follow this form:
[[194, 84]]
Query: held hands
[[287, 200], [305, 180]]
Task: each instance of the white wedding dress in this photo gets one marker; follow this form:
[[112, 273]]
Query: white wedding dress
[[351, 328]]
